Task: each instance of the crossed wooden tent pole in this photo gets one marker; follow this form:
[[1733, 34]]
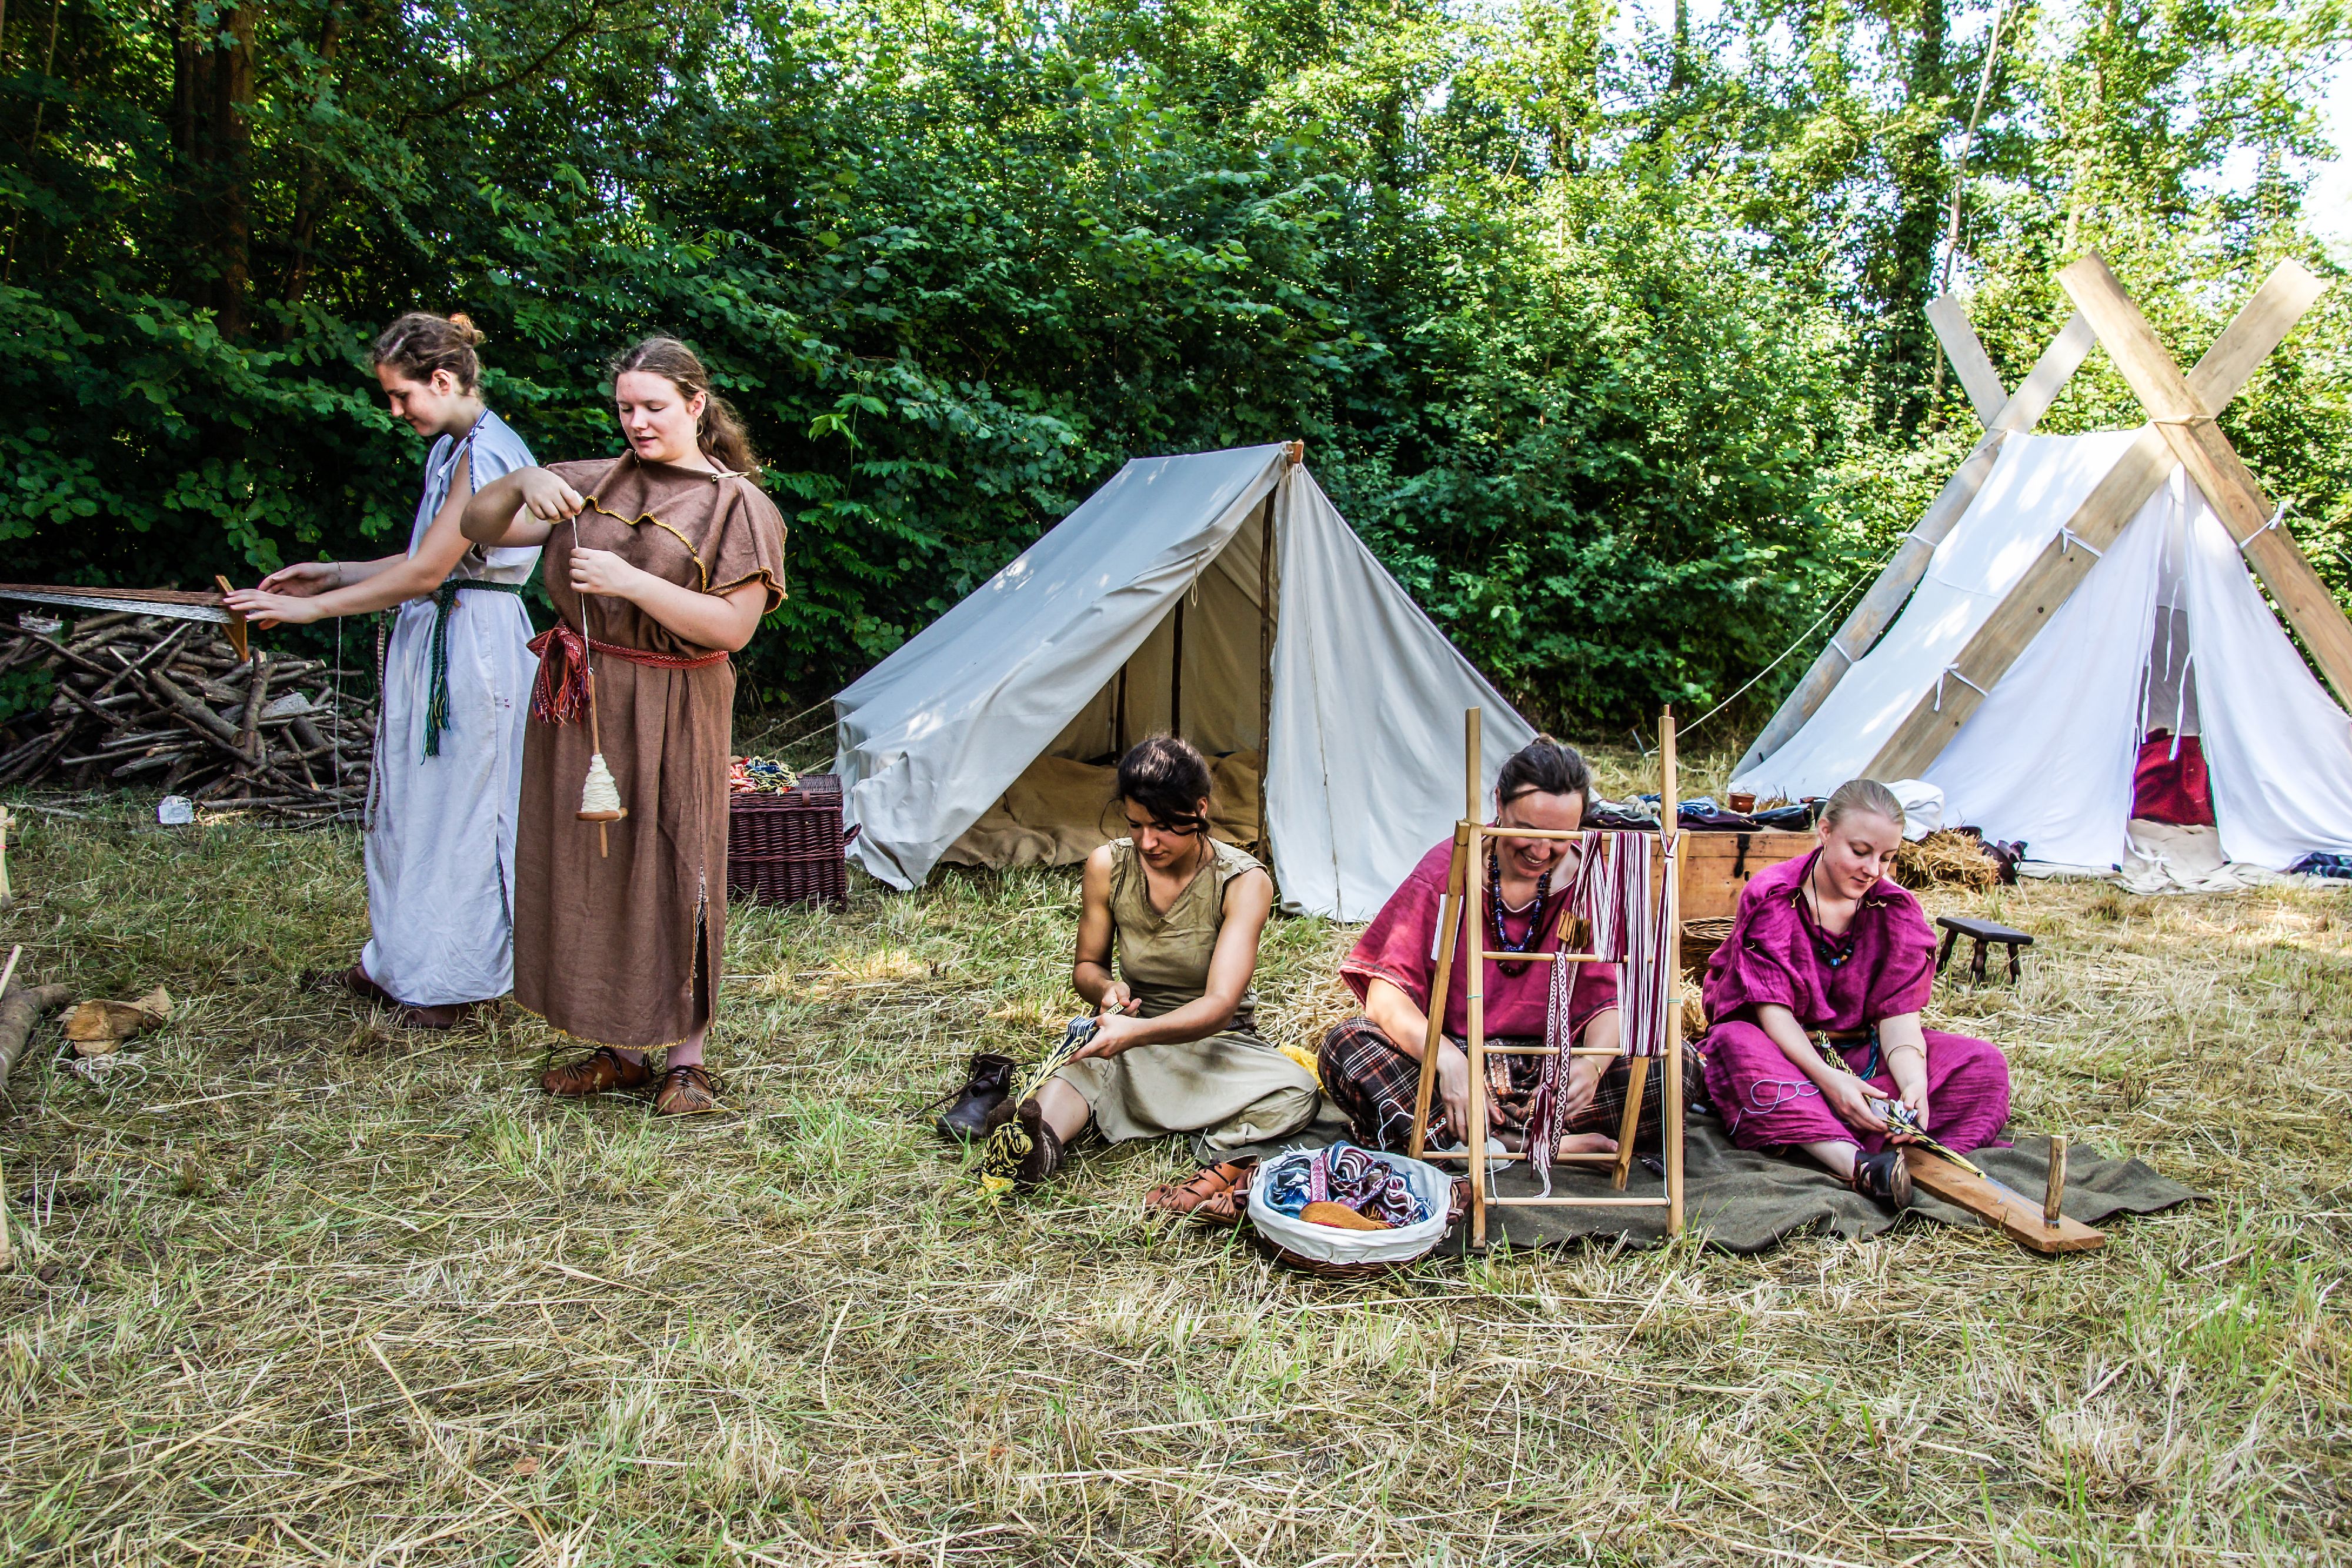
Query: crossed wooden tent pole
[[2182, 433]]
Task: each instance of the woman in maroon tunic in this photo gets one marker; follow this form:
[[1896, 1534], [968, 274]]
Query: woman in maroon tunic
[[1371, 1065], [1815, 999]]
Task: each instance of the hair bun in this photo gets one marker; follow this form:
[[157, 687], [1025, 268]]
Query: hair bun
[[466, 328]]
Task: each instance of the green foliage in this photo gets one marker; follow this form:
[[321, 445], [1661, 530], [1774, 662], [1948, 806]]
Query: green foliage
[[1611, 349]]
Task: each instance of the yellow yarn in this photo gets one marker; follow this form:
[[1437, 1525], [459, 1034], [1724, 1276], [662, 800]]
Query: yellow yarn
[[1305, 1059]]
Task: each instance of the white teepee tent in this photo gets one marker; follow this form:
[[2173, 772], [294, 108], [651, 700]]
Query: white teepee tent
[[2167, 630], [1153, 606]]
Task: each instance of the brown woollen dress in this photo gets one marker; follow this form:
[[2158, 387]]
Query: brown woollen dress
[[625, 951]]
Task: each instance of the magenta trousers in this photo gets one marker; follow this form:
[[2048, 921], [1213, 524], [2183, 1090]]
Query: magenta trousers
[[1767, 1102]]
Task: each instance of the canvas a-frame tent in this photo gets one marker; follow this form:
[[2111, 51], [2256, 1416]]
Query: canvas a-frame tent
[[2081, 593], [1155, 606]]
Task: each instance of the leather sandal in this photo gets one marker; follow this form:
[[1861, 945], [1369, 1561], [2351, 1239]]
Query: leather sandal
[[601, 1071], [689, 1089], [1885, 1176], [1218, 1195]]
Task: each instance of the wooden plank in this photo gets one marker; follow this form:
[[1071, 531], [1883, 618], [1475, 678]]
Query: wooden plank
[[2199, 446], [1997, 1205], [1970, 364], [2048, 377], [1870, 618], [2218, 377]]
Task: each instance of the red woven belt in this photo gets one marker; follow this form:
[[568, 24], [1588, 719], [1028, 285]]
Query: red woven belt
[[560, 694]]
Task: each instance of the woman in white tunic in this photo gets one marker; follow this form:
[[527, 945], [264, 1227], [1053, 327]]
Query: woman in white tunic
[[456, 685]]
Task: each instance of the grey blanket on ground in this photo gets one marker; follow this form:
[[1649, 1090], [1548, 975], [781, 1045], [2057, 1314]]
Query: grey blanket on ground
[[1743, 1201]]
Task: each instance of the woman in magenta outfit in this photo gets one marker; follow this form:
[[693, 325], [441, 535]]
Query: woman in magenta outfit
[[1827, 956]]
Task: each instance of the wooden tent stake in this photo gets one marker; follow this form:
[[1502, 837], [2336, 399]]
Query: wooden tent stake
[[2056, 1189], [1458, 911]]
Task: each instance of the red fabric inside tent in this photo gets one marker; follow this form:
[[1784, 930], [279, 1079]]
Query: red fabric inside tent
[[2172, 788]]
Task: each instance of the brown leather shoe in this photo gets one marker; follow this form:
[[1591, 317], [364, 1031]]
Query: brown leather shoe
[[1044, 1156], [601, 1071], [1884, 1176], [688, 1090]]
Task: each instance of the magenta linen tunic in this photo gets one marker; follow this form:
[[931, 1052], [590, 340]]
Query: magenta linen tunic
[[1400, 947], [1774, 957]]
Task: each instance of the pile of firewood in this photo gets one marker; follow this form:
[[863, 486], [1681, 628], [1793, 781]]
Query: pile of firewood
[[145, 702]]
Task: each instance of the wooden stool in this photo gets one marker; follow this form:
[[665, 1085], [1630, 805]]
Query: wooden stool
[[1981, 932]]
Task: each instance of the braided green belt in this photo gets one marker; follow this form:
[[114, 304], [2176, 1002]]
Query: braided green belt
[[437, 701]]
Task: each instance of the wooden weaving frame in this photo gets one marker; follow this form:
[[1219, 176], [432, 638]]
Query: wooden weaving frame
[[1457, 911]]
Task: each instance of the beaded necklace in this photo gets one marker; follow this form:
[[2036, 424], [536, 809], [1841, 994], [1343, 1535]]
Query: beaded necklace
[[1825, 946], [1502, 941]]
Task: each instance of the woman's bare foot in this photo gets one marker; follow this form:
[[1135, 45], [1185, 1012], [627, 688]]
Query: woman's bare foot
[[1587, 1143]]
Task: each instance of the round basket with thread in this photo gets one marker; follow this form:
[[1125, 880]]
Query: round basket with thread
[[1330, 1253]]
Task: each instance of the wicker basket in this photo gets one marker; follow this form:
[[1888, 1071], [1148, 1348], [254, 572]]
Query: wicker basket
[[1700, 939], [787, 848]]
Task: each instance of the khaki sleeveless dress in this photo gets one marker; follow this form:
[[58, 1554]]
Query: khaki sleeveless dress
[[1233, 1088]]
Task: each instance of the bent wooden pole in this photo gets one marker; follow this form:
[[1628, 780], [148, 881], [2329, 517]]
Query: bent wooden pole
[[20, 1009], [2011, 413], [2185, 420], [1943, 709]]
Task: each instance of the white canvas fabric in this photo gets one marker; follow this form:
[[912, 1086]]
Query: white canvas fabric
[[1364, 764], [2047, 756]]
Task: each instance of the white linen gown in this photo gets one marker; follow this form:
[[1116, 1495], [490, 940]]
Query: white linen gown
[[441, 829]]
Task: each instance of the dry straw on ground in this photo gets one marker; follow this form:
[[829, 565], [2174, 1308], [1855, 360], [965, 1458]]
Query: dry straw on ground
[[303, 1288]]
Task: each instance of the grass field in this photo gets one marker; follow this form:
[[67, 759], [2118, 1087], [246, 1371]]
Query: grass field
[[292, 1286]]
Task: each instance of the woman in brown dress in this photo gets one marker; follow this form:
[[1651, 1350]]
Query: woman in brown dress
[[660, 563]]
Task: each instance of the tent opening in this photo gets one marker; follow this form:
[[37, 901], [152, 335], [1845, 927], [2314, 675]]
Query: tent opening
[[1204, 673]]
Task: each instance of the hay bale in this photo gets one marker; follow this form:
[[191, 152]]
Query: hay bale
[[1946, 858]]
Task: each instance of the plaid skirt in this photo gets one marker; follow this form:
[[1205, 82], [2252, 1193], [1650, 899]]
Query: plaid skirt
[[1375, 1085]]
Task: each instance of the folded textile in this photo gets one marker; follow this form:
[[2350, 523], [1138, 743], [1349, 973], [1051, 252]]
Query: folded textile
[[1344, 1174], [757, 775], [2319, 863]]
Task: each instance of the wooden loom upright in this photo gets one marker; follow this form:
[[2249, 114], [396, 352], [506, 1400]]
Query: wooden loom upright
[[1459, 910]]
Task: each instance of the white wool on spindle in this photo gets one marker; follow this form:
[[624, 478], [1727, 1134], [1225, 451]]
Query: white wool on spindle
[[602, 792]]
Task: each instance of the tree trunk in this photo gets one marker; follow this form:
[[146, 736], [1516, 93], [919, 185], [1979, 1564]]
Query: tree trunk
[[1916, 163], [310, 196], [232, 144]]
